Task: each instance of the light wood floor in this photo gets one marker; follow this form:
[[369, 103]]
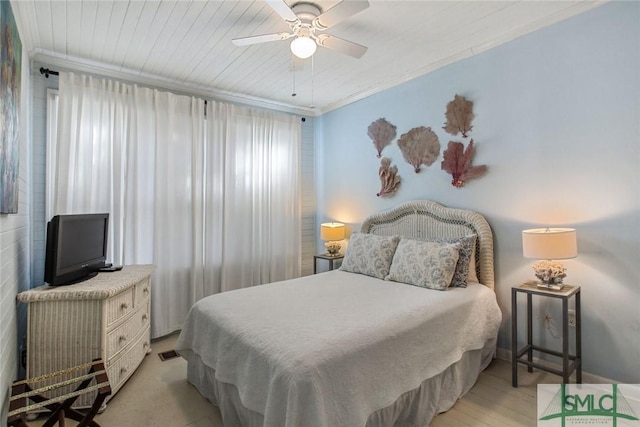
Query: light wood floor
[[159, 395], [492, 402]]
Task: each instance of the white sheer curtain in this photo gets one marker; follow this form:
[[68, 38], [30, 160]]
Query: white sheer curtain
[[251, 196], [213, 203], [87, 162], [160, 202]]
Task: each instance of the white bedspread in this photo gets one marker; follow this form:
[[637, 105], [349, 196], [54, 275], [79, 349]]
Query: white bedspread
[[329, 349]]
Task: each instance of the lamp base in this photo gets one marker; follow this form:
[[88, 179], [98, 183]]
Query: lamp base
[[333, 248], [333, 255], [550, 286]]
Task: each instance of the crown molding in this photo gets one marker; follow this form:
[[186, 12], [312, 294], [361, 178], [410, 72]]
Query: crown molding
[[74, 64]]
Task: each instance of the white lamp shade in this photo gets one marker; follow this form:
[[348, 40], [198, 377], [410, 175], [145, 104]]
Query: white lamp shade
[[303, 47], [332, 231], [549, 243]]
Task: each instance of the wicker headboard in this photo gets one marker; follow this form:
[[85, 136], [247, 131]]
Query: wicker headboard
[[428, 219]]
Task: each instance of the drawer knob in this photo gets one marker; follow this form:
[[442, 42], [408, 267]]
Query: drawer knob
[[123, 338], [145, 316], [145, 290], [124, 305], [123, 370]]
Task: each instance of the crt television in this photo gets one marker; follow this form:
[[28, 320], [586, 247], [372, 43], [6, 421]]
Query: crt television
[[76, 247]]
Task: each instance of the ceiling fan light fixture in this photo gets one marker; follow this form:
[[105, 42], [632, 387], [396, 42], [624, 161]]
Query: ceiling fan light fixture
[[303, 47]]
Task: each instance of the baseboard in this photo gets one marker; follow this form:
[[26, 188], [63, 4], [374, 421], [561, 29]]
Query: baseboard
[[587, 377]]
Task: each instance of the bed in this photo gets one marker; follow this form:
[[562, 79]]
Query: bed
[[347, 347]]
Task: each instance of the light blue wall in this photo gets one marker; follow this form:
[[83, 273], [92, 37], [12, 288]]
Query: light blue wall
[[558, 124]]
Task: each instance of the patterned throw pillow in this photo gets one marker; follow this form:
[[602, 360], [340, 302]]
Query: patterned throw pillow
[[467, 251], [370, 254], [423, 263]]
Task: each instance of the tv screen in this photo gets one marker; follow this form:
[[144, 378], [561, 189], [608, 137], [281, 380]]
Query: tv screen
[[76, 247]]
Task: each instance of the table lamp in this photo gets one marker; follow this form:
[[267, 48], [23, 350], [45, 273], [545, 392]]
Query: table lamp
[[549, 245], [332, 233]]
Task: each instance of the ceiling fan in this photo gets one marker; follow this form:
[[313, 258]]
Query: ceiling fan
[[308, 23]]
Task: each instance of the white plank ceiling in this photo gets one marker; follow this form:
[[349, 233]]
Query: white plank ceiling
[[186, 45]]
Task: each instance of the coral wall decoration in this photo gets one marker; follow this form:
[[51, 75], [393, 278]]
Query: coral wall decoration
[[381, 133], [457, 161], [389, 179], [419, 146], [459, 116]]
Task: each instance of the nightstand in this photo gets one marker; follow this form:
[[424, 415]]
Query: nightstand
[[328, 257], [524, 355]]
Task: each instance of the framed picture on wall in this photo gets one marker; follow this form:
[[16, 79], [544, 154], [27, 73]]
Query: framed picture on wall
[[10, 72]]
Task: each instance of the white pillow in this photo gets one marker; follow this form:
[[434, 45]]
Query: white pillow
[[370, 254], [423, 263]]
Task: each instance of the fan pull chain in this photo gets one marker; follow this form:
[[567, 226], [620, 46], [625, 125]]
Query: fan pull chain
[[293, 64], [312, 74]]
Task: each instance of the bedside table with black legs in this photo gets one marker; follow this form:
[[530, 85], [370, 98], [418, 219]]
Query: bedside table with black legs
[[328, 257], [570, 363]]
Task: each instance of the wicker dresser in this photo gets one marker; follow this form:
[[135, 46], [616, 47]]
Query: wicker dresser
[[104, 317]]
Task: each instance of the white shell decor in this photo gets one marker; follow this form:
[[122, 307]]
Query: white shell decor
[[549, 272], [332, 247]]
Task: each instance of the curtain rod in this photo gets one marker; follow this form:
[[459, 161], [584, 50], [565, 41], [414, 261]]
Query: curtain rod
[[47, 72]]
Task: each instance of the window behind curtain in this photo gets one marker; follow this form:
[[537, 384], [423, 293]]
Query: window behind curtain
[[306, 185]]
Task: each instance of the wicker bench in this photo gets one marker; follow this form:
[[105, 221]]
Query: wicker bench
[[30, 395]]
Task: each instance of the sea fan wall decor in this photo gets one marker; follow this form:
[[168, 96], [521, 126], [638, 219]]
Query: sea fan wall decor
[[419, 146], [389, 179], [381, 133], [459, 116], [457, 162]]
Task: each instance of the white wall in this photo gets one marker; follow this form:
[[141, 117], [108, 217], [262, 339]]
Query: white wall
[[15, 254], [558, 124]]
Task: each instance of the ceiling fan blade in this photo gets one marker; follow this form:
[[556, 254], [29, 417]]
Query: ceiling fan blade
[[245, 41], [341, 45], [339, 13], [282, 9]]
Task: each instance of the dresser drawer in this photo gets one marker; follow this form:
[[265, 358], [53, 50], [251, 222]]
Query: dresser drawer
[[143, 291], [121, 337], [119, 306], [119, 369]]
